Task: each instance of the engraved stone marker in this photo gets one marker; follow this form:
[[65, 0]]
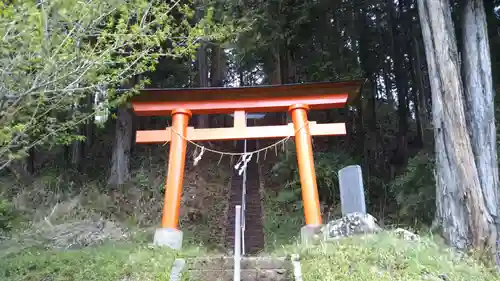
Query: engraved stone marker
[[352, 192]]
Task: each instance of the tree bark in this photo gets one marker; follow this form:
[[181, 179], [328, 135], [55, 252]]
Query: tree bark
[[120, 169], [461, 209], [480, 111]]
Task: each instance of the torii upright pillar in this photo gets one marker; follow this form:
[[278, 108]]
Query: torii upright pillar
[[307, 173], [169, 233], [296, 99]]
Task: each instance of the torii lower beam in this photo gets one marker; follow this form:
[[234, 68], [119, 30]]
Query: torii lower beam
[[296, 99], [250, 133]]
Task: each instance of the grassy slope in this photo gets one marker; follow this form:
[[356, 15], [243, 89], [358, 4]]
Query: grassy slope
[[386, 257], [118, 261], [377, 257], [107, 262]]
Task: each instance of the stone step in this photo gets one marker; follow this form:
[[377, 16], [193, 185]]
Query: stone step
[[246, 275], [254, 233], [247, 263]]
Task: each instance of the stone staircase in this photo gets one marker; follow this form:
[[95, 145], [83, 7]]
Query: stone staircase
[[254, 233], [252, 269]]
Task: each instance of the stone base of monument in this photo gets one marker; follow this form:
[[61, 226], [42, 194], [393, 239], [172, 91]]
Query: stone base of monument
[[351, 224], [168, 237], [311, 234]]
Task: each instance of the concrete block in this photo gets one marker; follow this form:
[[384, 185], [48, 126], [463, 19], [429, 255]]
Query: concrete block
[[177, 267], [311, 234], [168, 237]]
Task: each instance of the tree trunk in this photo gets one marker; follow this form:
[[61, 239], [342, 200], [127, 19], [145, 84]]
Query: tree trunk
[[90, 125], [366, 146], [416, 89], [277, 79], [202, 120], [291, 68], [388, 85], [418, 116], [78, 147], [422, 95], [493, 20], [120, 169], [461, 209], [480, 111], [77, 150], [401, 85], [30, 161], [20, 170], [276, 76], [217, 68]]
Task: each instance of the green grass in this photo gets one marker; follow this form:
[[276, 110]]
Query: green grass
[[116, 261], [375, 257], [386, 257], [109, 262]]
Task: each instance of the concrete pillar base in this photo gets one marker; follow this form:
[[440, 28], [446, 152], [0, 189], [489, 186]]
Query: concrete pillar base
[[311, 234], [169, 237]]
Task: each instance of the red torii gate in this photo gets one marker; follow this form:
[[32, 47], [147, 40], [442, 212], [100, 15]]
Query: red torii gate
[[181, 104]]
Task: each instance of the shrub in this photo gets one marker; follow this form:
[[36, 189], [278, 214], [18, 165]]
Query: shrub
[[415, 191], [327, 165], [6, 215]]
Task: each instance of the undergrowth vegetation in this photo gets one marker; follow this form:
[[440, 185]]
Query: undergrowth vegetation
[[327, 164], [415, 192], [7, 215], [62, 207], [282, 222]]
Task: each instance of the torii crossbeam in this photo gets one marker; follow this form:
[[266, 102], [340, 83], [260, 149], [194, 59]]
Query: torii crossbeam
[[296, 99]]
